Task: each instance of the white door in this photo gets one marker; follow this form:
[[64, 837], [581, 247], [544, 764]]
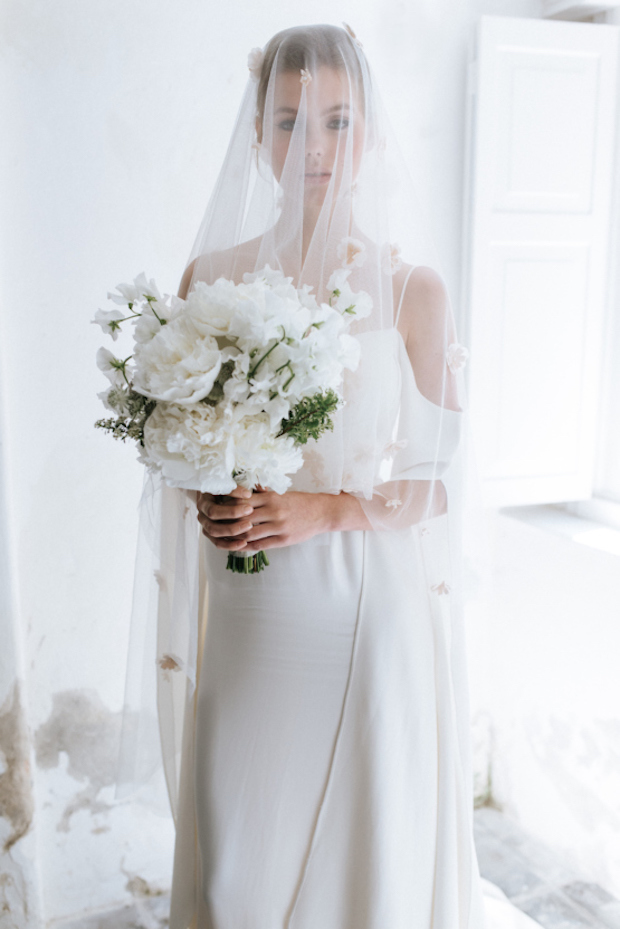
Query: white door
[[537, 221]]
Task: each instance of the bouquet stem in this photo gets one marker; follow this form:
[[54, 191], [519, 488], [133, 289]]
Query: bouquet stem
[[247, 564]]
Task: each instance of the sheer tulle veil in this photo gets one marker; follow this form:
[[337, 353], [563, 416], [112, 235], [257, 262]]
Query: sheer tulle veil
[[313, 184]]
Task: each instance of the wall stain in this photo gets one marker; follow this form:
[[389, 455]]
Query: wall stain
[[13, 896], [16, 797], [82, 726], [138, 887]]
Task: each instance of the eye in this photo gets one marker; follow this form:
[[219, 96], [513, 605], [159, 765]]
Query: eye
[[287, 125], [339, 123]]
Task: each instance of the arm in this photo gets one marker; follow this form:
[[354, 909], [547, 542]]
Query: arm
[[251, 520], [429, 436]]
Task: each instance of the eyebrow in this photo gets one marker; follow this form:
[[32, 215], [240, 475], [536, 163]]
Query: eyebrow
[[338, 107]]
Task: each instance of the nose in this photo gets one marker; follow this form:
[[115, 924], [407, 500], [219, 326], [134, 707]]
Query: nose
[[314, 145]]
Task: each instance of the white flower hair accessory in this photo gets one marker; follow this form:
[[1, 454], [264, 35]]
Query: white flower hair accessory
[[305, 78], [456, 356], [255, 63], [351, 252], [391, 260]]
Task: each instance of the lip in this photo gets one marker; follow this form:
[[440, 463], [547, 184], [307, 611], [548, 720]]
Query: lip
[[317, 177]]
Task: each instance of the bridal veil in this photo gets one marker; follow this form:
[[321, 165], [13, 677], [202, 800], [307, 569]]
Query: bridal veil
[[313, 184]]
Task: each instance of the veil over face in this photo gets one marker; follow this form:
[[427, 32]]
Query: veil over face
[[313, 184]]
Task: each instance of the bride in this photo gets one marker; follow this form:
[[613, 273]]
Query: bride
[[314, 716]]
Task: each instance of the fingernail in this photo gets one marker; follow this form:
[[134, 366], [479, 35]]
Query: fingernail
[[248, 510]]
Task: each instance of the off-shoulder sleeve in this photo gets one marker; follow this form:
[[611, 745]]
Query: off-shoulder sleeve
[[427, 416]]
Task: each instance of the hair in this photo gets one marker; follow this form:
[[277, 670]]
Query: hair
[[297, 47]]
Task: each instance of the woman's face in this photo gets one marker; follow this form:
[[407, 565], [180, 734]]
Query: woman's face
[[334, 123]]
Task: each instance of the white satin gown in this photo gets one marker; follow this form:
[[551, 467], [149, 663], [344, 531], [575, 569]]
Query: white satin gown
[[325, 780]]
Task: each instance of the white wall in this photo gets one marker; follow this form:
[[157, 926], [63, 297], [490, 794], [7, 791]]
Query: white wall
[[115, 121], [544, 683]]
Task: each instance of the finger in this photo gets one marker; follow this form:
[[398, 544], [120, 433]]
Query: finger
[[262, 498], [231, 545], [272, 541], [220, 511], [224, 530], [263, 531], [237, 497], [241, 493]]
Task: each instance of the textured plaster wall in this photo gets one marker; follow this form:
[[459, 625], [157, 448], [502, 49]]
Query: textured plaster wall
[[116, 116]]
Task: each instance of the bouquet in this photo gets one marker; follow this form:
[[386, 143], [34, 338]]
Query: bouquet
[[223, 388]]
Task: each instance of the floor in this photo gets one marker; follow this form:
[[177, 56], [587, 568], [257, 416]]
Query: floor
[[524, 869], [535, 882]]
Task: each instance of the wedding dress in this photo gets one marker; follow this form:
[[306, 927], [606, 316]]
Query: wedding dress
[[314, 717], [323, 785]]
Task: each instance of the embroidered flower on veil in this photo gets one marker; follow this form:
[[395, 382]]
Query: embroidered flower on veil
[[390, 258], [255, 63], [351, 252], [396, 446], [305, 78], [168, 663], [441, 589], [456, 356]]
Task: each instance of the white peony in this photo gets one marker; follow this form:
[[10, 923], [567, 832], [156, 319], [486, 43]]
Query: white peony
[[191, 446], [178, 364], [261, 458]]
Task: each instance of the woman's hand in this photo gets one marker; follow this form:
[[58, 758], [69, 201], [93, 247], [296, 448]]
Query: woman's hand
[[275, 520], [285, 519], [224, 519]]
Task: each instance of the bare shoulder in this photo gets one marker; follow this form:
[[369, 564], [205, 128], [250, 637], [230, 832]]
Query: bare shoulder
[[425, 301], [225, 263], [423, 286]]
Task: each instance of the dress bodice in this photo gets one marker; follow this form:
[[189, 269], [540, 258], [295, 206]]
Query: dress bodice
[[411, 438]]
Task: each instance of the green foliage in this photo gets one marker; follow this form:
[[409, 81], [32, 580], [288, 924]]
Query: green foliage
[[311, 417], [217, 391], [129, 424]]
